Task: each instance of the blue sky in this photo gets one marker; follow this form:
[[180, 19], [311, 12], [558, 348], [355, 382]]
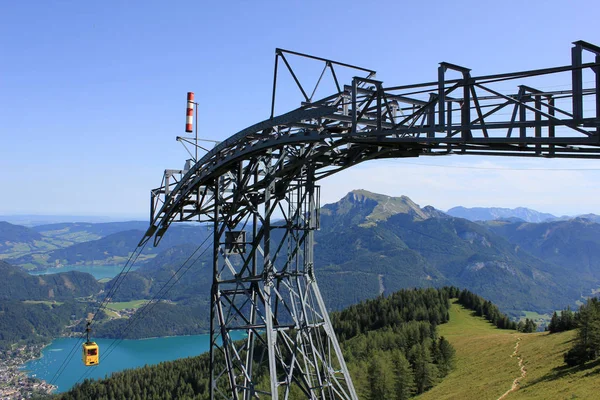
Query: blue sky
[[92, 94]]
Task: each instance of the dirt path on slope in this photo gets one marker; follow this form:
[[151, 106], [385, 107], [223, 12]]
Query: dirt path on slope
[[516, 382], [381, 286]]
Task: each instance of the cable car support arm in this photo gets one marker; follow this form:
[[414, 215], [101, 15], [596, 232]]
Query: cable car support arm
[[259, 190]]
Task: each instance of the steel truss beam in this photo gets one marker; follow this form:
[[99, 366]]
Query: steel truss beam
[[258, 189]]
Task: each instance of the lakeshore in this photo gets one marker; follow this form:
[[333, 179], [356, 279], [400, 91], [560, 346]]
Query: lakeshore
[[97, 271], [15, 383], [125, 354]]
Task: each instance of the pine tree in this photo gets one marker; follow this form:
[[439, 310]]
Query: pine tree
[[567, 320], [587, 344], [446, 354], [405, 381], [381, 377], [554, 325], [426, 373], [589, 328], [528, 327]]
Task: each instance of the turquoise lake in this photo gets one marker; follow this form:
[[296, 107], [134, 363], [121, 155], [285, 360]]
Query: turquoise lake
[[128, 354], [98, 271]]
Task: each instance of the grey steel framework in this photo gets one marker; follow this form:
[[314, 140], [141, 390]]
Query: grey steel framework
[[258, 189]]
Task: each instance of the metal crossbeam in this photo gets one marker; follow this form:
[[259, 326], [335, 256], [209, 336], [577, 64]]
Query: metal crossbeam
[[258, 189]]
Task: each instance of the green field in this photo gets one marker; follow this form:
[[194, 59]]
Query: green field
[[539, 319], [119, 306], [112, 313], [50, 303], [534, 315], [66, 236], [486, 370]]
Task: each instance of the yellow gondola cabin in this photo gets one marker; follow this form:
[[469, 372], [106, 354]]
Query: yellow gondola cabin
[[90, 351], [90, 354]]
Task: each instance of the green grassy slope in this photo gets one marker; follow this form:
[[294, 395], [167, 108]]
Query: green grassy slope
[[486, 370], [548, 377]]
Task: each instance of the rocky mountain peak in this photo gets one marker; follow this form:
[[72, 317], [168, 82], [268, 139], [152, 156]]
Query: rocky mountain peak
[[369, 208]]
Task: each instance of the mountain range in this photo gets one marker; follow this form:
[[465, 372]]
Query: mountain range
[[46, 246], [512, 214], [360, 247], [371, 244], [368, 245], [493, 213]]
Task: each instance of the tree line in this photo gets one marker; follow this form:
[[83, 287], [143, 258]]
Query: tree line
[[566, 321], [390, 344], [488, 310]]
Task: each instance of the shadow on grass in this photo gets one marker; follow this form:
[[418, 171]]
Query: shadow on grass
[[595, 372], [564, 370], [474, 314]]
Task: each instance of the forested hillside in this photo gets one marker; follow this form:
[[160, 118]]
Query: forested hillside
[[390, 343], [17, 234], [19, 285], [36, 309], [160, 319], [36, 322], [574, 245], [376, 243]]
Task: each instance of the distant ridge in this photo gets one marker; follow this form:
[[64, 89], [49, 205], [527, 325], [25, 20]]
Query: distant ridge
[[17, 233], [493, 213], [590, 217], [19, 285], [372, 243], [31, 220]]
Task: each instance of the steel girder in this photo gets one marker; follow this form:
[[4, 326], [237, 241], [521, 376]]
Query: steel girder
[[258, 190]]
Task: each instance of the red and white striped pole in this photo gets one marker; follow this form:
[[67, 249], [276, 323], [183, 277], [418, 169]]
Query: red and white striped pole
[[189, 120]]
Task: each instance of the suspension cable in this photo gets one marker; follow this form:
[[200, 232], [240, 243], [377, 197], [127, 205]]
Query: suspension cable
[[150, 305], [124, 271]]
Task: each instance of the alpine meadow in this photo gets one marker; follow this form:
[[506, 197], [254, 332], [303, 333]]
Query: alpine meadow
[[334, 200]]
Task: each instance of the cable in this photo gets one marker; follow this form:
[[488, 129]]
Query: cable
[[109, 294], [145, 310], [118, 283], [150, 304], [65, 362], [502, 169]]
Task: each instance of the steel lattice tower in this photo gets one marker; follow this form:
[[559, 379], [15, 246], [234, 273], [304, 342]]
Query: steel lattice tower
[[264, 284]]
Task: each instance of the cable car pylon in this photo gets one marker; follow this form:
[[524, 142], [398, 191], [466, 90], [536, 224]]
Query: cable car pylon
[[258, 189]]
